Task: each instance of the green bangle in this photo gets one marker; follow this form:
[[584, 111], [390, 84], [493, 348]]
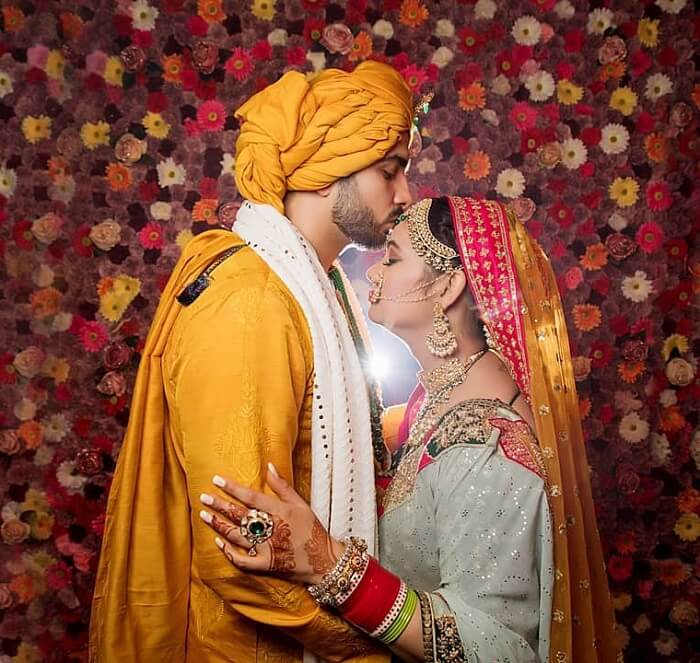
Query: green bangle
[[403, 619]]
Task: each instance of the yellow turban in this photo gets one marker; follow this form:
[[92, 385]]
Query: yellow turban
[[302, 135]]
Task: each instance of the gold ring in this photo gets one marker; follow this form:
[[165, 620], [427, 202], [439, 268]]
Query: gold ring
[[256, 527]]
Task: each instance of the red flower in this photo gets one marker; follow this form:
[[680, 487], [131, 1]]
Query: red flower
[[148, 191], [658, 196], [591, 136], [509, 62], [151, 236], [561, 214], [640, 61], [414, 76], [544, 5], [8, 375], [620, 568], [650, 237], [58, 576], [668, 57], [211, 115], [470, 41], [470, 73], [314, 5], [523, 115], [157, 101], [142, 38], [239, 65], [208, 187], [22, 234], [296, 56], [93, 335], [601, 354], [313, 29], [122, 25], [262, 50], [205, 90], [601, 285], [619, 325], [82, 244], [573, 41], [677, 249], [197, 26], [645, 123], [531, 139]]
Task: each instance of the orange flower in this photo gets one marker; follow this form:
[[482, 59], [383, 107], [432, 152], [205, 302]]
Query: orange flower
[[172, 68], [584, 407], [205, 210], [45, 302], [629, 371], [596, 257], [689, 500], [32, 433], [672, 571], [695, 96], [118, 176], [656, 146], [612, 70], [105, 285], [625, 542], [671, 419], [14, 18], [361, 47], [472, 97], [58, 168], [211, 10], [71, 24], [586, 317], [23, 586], [413, 13], [477, 166]]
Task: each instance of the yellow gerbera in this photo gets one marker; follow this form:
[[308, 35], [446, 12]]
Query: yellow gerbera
[[112, 306], [183, 237], [624, 191], [95, 134], [114, 71], [155, 125], [674, 342], [127, 286], [688, 527], [568, 93], [264, 9], [36, 128], [55, 64], [624, 100], [648, 32]]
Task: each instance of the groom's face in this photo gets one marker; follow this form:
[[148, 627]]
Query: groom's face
[[368, 202]]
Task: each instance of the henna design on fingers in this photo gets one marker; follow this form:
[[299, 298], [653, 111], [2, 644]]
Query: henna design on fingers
[[223, 527], [234, 512], [319, 549], [282, 560]]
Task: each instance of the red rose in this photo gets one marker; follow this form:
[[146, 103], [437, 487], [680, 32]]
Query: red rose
[[620, 246], [88, 462]]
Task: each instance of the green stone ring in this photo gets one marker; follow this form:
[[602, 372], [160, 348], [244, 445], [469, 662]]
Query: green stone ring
[[256, 526]]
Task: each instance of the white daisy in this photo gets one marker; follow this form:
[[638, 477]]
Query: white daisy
[[671, 6], [444, 28], [599, 20], [510, 183], [637, 288], [317, 60], [170, 173], [564, 10], [617, 222], [642, 624], [11, 511], [69, 478], [627, 401], [383, 28], [8, 181], [5, 84], [490, 116], [526, 30], [540, 85], [666, 642], [161, 211], [573, 153], [485, 10], [615, 138], [43, 455], [228, 164], [143, 16], [633, 429], [500, 85], [55, 427], [426, 166], [442, 57], [657, 86], [278, 37], [63, 190], [668, 397]]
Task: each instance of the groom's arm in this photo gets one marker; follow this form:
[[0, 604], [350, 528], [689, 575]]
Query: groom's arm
[[239, 385]]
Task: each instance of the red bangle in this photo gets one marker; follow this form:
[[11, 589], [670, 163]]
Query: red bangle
[[373, 597]]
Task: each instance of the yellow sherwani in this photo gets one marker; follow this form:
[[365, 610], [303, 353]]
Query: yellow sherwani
[[224, 386]]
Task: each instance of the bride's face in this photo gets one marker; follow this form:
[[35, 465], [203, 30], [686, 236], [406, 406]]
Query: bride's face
[[400, 271]]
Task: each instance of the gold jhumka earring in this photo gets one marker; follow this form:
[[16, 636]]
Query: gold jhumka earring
[[441, 342]]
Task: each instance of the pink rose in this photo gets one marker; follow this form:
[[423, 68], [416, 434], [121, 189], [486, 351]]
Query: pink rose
[[573, 278], [523, 208], [28, 362], [47, 227], [9, 442], [679, 372], [112, 384], [681, 114], [69, 143], [620, 246], [582, 368], [14, 531], [546, 32], [337, 38], [6, 599], [116, 355], [549, 155], [129, 149], [612, 49]]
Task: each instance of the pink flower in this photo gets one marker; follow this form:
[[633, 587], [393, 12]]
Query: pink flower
[[650, 237], [240, 64], [523, 116], [414, 77], [151, 236], [658, 196], [211, 115], [93, 336], [573, 278]]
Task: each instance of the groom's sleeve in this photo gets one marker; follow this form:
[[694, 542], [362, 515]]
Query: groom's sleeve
[[239, 383]]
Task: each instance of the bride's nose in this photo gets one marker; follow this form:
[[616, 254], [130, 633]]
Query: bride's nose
[[372, 274]]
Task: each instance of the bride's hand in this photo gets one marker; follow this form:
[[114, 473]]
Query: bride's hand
[[296, 547]]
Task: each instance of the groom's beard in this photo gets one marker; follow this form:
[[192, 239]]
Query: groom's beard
[[354, 219]]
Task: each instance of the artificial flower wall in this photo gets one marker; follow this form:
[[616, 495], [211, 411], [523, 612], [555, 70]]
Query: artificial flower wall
[[117, 145]]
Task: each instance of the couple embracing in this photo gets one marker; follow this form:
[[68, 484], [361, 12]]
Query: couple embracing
[[266, 508]]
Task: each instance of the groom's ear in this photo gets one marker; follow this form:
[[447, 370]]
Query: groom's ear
[[455, 289], [326, 190]]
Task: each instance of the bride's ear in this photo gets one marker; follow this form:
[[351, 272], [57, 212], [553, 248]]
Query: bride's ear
[[456, 285]]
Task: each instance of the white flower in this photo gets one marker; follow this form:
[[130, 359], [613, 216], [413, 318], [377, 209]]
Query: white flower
[[383, 28], [55, 427], [63, 190], [5, 84], [599, 20], [526, 30], [573, 153], [540, 85], [633, 428], [62, 321], [72, 482], [8, 181], [161, 211], [426, 166], [317, 59], [500, 85], [668, 397], [228, 164], [43, 455], [278, 37], [485, 10], [442, 57], [170, 173], [657, 86], [490, 116], [626, 401], [43, 276], [614, 139], [564, 10], [143, 16], [25, 409], [444, 28], [637, 288], [617, 222], [666, 643], [671, 6], [695, 447], [510, 183]]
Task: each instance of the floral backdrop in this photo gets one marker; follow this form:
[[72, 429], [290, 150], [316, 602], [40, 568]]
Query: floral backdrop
[[116, 146]]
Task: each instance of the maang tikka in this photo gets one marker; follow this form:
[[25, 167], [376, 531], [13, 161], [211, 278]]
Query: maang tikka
[[441, 342]]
